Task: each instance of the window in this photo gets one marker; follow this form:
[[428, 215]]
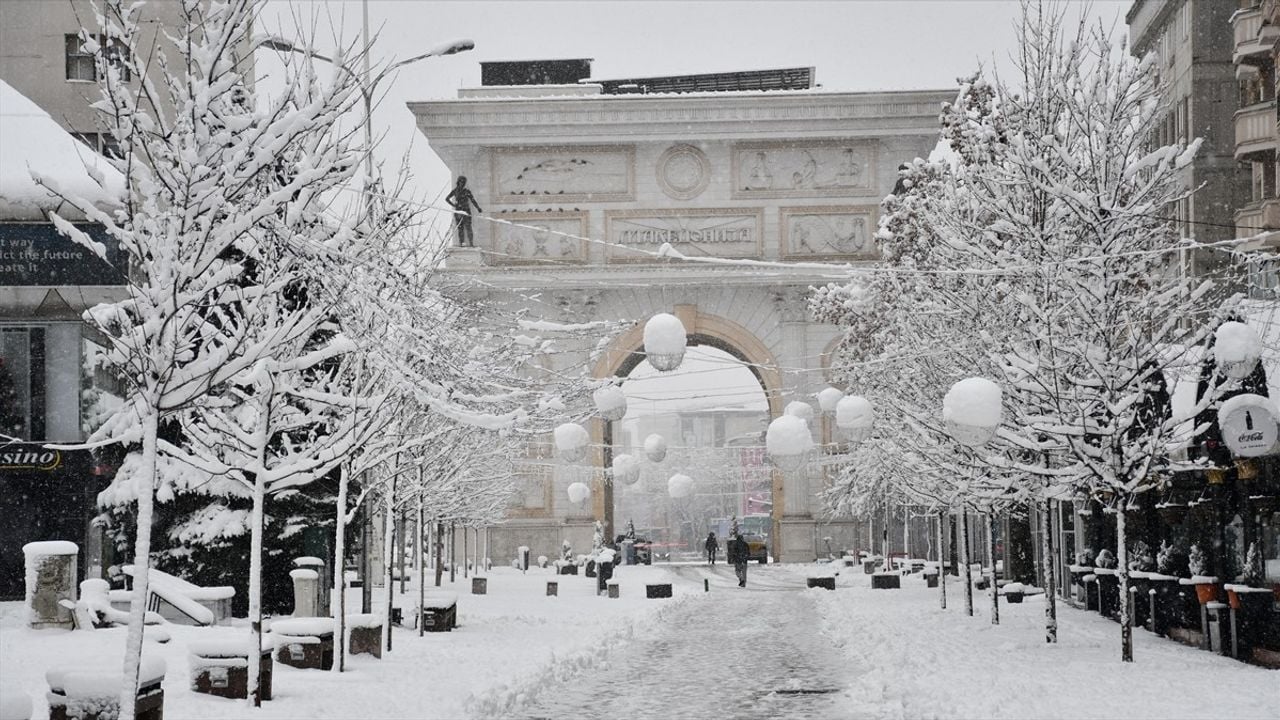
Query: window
[[21, 382], [103, 143], [82, 65]]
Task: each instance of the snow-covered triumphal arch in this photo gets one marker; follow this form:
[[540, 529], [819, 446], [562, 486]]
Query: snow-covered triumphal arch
[[593, 177]]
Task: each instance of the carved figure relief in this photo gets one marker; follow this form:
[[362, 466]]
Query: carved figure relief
[[802, 169], [578, 174], [819, 232], [538, 238]]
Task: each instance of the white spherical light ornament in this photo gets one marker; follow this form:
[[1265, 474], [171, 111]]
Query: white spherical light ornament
[[855, 416], [828, 399], [572, 441], [1236, 349], [971, 410], [611, 402], [626, 469], [578, 493], [679, 486], [802, 410], [787, 440], [664, 342], [655, 448]]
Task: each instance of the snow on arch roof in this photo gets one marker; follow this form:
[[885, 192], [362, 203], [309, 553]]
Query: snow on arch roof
[[31, 141]]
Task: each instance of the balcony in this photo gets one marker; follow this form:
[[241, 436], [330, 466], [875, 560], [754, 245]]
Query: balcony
[[1250, 46], [1258, 220], [1255, 129]]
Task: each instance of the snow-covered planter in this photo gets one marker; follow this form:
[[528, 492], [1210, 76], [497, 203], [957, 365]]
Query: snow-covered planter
[[626, 469], [855, 417], [84, 692], [655, 448], [220, 666], [679, 486], [802, 410], [787, 441], [1236, 349], [304, 642], [572, 441], [971, 410], [579, 492], [611, 402], [828, 399], [664, 342]]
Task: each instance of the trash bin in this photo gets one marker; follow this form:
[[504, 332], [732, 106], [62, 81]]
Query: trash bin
[[628, 552], [1218, 619]]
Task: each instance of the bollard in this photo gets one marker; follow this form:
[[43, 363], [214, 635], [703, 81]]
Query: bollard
[[706, 585]]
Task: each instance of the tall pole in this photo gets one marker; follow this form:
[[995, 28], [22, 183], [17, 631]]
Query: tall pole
[[942, 575], [995, 591], [964, 560], [422, 564]]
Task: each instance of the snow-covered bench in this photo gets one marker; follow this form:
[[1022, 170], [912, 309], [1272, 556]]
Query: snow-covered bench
[[179, 601]]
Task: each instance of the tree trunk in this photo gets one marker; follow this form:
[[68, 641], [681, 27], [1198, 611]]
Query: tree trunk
[[884, 539], [255, 588], [404, 521], [1050, 571], [466, 554], [422, 565], [141, 563], [453, 552], [338, 603], [995, 590], [439, 551], [942, 575], [1122, 572], [964, 560], [906, 532], [388, 553]]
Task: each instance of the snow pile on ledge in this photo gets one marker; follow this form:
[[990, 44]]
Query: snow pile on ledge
[[32, 143]]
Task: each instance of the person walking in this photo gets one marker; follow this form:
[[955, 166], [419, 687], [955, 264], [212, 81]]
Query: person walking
[[737, 551], [713, 547], [461, 200]]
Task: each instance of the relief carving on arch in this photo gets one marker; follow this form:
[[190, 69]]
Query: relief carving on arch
[[829, 232], [803, 168], [563, 173]]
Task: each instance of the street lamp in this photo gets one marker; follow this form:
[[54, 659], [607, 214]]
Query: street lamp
[[367, 85], [971, 410]]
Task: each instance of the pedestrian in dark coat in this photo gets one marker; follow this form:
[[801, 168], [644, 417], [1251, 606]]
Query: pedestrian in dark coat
[[713, 546], [738, 553]]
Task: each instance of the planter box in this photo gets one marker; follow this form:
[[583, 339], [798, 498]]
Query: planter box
[[658, 590], [931, 580], [886, 581], [311, 652], [614, 592], [567, 570], [148, 705], [1251, 617], [440, 612], [553, 588], [479, 585], [828, 583], [366, 641], [869, 566], [226, 674]]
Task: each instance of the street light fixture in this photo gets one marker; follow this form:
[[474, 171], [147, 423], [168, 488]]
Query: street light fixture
[[367, 85]]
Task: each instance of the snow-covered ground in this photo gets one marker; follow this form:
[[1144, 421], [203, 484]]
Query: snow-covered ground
[[900, 656]]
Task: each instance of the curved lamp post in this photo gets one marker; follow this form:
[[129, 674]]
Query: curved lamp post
[[971, 410]]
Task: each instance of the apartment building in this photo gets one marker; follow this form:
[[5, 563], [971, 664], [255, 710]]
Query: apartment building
[[1192, 44]]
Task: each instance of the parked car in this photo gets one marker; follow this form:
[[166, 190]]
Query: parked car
[[644, 552], [757, 548]]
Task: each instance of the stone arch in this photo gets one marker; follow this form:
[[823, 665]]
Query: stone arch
[[627, 352]]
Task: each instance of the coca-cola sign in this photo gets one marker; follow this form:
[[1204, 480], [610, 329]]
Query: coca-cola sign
[[1248, 424]]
